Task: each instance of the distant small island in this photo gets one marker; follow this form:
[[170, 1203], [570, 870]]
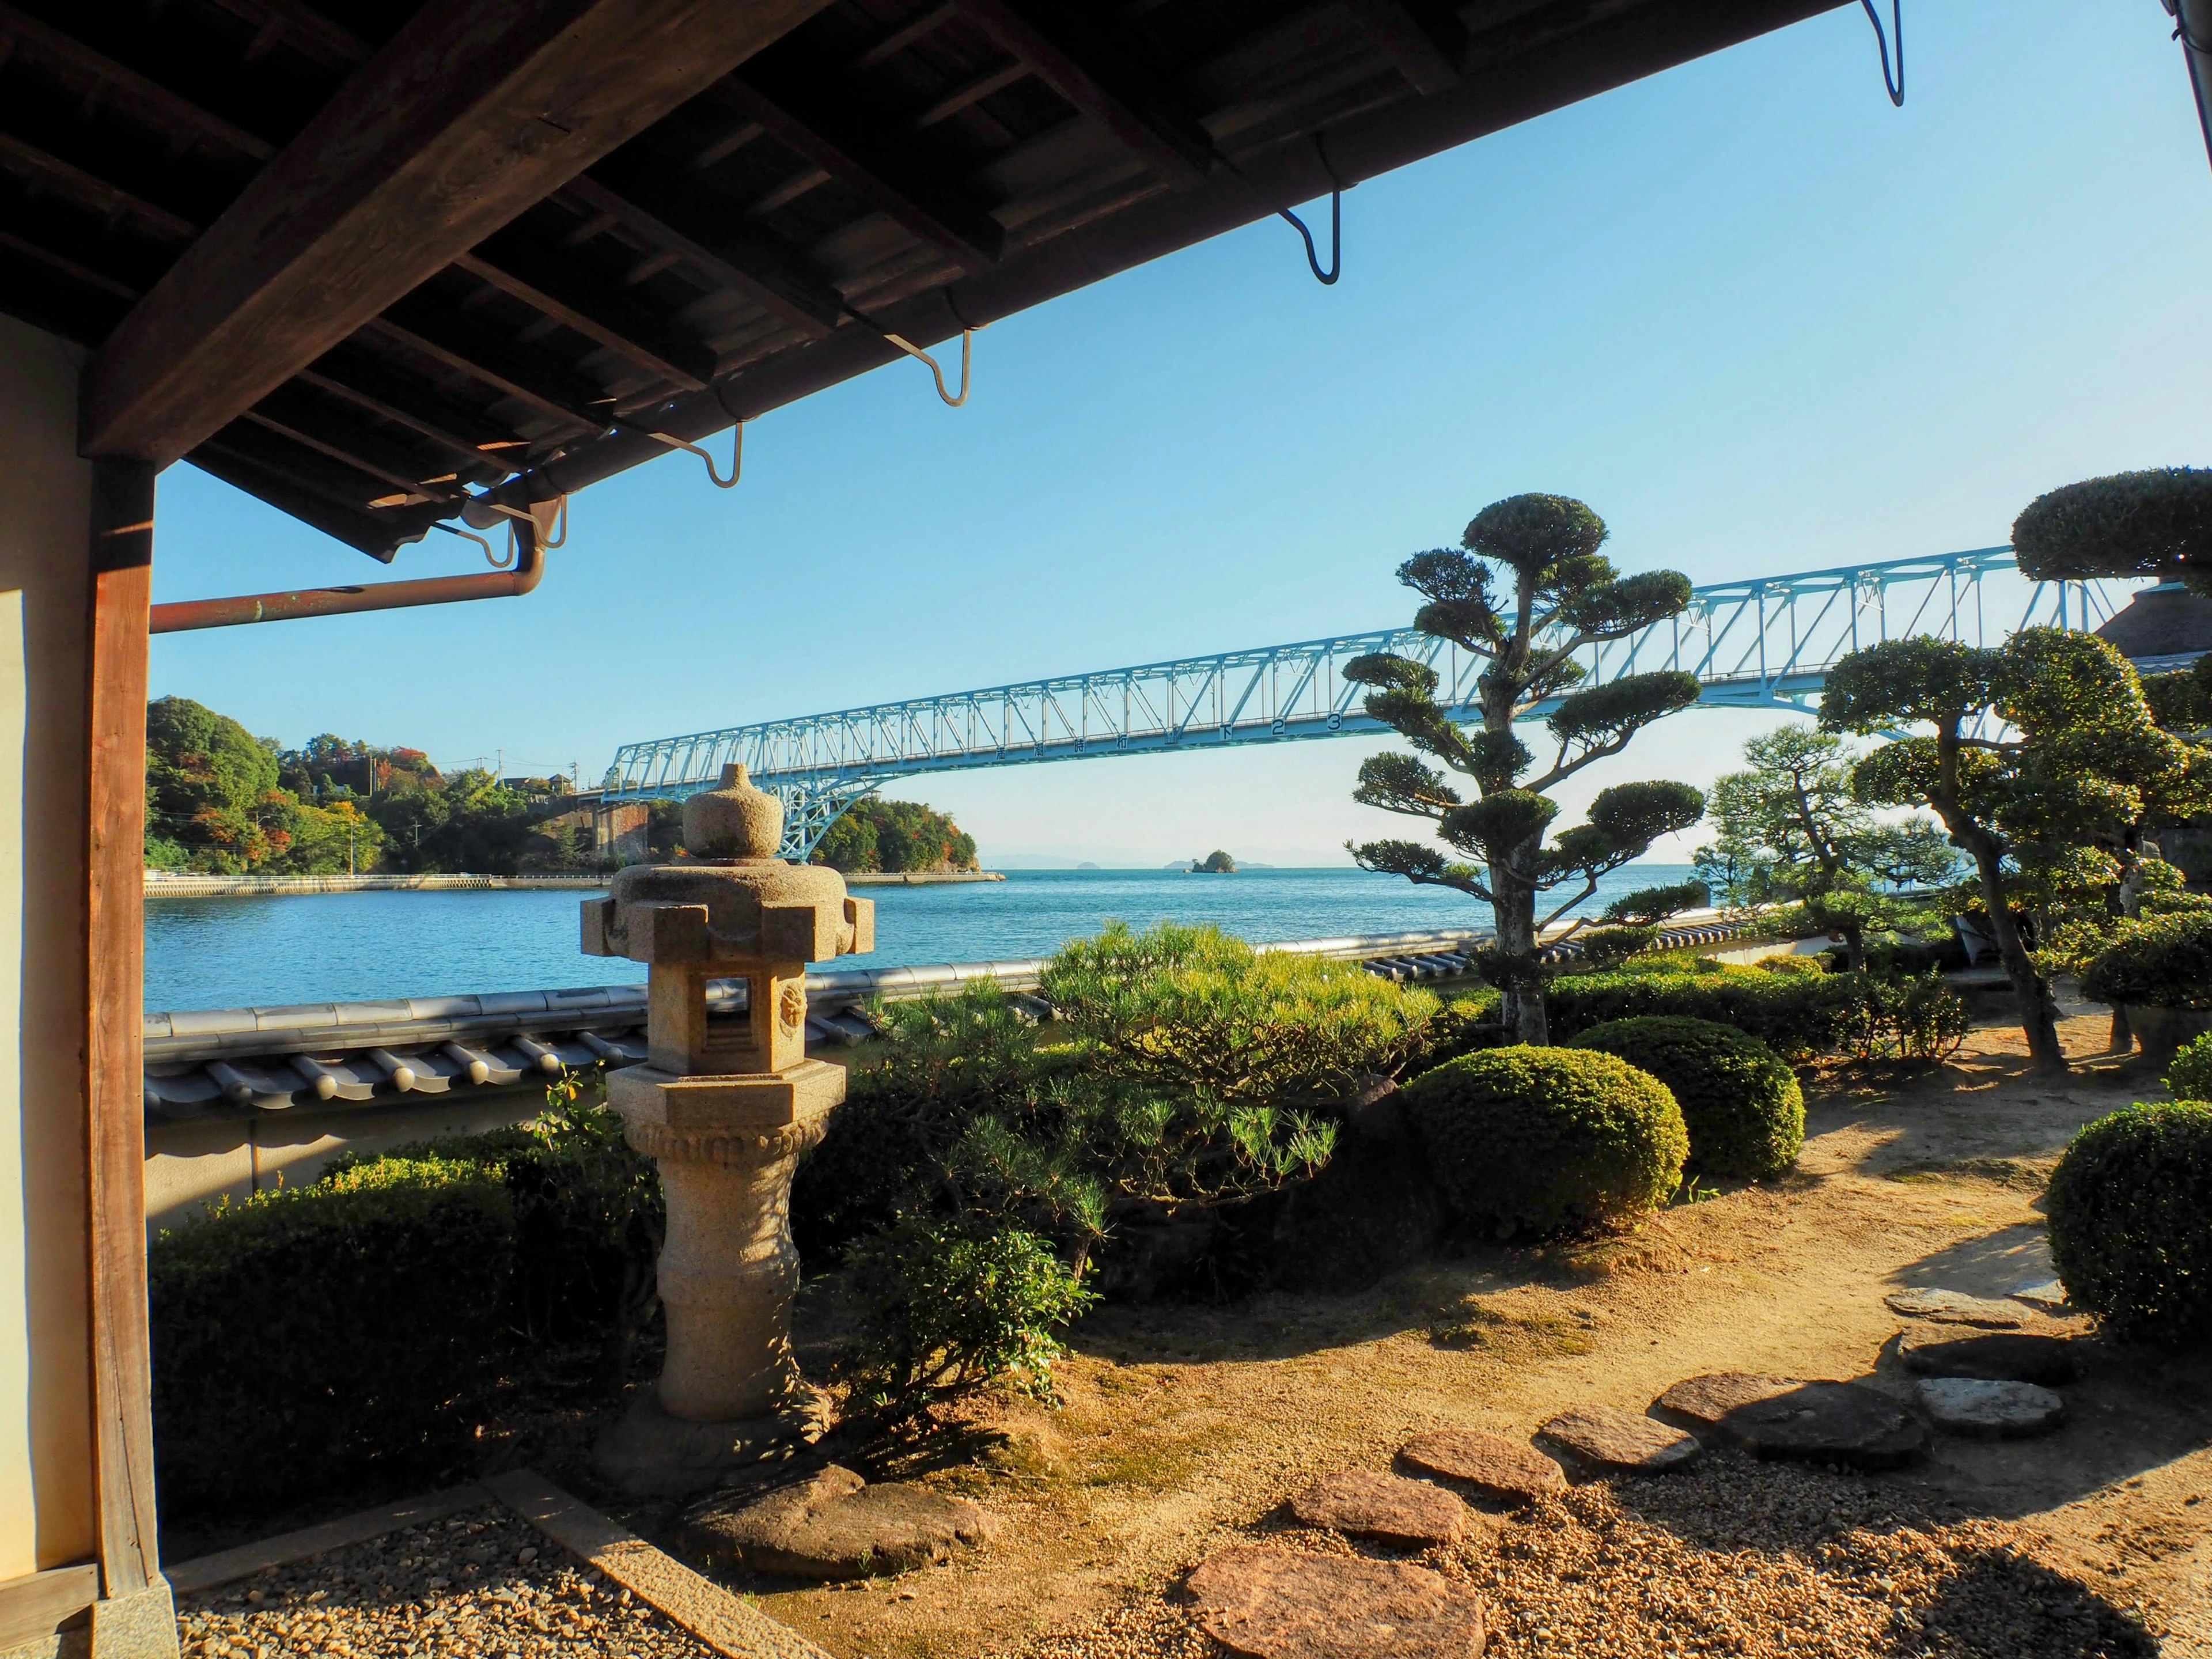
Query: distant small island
[[1216, 863]]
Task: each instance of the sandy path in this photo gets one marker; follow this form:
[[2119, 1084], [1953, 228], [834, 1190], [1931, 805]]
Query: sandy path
[[1185, 1424]]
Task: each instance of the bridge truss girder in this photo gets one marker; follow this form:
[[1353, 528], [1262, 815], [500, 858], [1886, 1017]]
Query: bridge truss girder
[[1762, 643]]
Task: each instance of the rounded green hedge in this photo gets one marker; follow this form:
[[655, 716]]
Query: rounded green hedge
[[2130, 1215], [2155, 523], [1526, 1140], [2158, 961], [2189, 1076], [1745, 1112]]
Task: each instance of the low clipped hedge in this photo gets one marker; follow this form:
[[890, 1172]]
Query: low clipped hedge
[[1796, 1013], [1527, 1140], [2158, 962], [2130, 1216], [311, 1333], [1745, 1112]]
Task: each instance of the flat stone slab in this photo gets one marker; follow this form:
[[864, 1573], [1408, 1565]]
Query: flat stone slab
[[1956, 1307], [1388, 1507], [1982, 1409], [2026, 1356], [1788, 1417], [1605, 1438], [1281, 1604], [2050, 1296], [833, 1524], [1495, 1466]]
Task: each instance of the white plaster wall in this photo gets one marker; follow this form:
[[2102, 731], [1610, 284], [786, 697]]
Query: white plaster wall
[[45, 1414]]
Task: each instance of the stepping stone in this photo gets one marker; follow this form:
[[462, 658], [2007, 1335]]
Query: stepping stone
[[1499, 1468], [1998, 1356], [1984, 1410], [2050, 1296], [1613, 1442], [1954, 1308], [1281, 1604], [1385, 1506], [1787, 1417], [833, 1524]]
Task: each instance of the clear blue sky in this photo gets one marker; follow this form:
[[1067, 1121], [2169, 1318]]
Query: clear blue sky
[[1757, 318]]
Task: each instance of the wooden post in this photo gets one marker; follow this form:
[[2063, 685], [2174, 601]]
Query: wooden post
[[134, 1615]]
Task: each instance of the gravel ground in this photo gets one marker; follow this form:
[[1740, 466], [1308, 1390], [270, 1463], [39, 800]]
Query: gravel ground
[[1734, 1557], [480, 1583]]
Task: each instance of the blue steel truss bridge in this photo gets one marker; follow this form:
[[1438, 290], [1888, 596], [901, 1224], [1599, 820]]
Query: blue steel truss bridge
[[1765, 642]]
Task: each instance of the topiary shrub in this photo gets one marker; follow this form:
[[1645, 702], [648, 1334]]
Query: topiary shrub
[[2158, 961], [314, 1332], [2190, 1077], [1464, 1026], [1526, 1140], [2153, 523], [2130, 1215], [1745, 1112]]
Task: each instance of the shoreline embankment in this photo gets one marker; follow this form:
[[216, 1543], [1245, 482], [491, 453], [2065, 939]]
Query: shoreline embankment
[[162, 885]]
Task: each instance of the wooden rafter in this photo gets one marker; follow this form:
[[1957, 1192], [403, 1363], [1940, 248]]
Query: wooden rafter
[[315, 35], [300, 415], [476, 110], [145, 99], [1427, 50], [817, 124], [641, 199], [905, 35], [520, 264], [1095, 74], [93, 192], [468, 438], [512, 369]]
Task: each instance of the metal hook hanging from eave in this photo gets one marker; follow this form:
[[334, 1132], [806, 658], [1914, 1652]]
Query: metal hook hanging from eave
[[736, 459], [967, 361], [1326, 278], [1895, 87]]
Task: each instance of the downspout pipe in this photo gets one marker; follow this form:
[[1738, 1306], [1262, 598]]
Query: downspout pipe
[[529, 565], [2193, 26]]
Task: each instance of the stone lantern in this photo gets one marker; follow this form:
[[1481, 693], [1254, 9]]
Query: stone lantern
[[724, 1107]]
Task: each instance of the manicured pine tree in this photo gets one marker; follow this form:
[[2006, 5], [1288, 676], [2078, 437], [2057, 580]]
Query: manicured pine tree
[[1525, 591], [2038, 746], [1792, 832]]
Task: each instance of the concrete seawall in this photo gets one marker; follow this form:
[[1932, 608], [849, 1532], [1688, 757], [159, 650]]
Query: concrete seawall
[[165, 886]]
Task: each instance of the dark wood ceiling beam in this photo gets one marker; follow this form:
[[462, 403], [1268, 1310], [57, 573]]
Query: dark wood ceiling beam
[[311, 32], [799, 184], [1426, 50], [522, 265], [641, 197], [69, 267], [904, 36], [1095, 74], [463, 343], [824, 125], [971, 92], [305, 419], [95, 193], [725, 146], [145, 100], [476, 447], [475, 110], [339, 483]]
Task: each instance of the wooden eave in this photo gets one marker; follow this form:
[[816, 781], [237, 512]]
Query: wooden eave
[[864, 168]]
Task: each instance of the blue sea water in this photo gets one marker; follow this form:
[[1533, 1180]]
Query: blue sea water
[[343, 947]]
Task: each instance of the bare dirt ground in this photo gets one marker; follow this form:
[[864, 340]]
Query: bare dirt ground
[[1186, 1427]]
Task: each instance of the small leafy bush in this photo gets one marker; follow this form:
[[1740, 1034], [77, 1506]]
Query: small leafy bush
[[1919, 1019], [1526, 1140], [1745, 1112], [1191, 1007], [943, 1306], [2130, 1215], [1606, 946], [2161, 961], [311, 1332], [2190, 1075]]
